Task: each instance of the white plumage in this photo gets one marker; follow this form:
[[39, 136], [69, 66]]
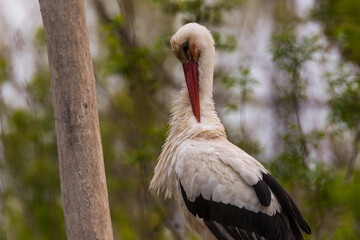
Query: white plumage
[[223, 192], [212, 168]]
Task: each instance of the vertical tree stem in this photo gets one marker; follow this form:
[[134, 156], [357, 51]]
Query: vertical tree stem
[[81, 165]]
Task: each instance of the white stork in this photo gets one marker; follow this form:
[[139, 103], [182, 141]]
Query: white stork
[[223, 192]]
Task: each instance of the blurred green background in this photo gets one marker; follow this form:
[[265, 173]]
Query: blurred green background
[[287, 88]]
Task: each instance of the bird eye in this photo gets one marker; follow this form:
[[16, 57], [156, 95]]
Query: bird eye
[[186, 47]]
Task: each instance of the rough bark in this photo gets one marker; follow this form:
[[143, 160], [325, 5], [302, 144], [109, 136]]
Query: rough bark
[[81, 165]]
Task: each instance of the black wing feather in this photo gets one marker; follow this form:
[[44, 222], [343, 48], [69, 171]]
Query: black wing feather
[[243, 224], [286, 202], [263, 193]]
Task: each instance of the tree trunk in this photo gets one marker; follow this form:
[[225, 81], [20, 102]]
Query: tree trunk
[[82, 174]]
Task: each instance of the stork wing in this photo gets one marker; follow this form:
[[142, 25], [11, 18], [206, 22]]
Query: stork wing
[[233, 197]]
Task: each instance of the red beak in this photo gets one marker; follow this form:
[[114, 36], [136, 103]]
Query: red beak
[[192, 82]]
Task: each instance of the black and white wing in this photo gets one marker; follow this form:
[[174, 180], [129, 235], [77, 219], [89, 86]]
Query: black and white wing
[[234, 194]]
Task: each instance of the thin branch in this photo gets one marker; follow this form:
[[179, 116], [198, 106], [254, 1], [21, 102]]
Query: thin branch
[[303, 147]]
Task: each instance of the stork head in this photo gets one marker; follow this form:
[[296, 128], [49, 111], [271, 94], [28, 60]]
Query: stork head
[[193, 45]]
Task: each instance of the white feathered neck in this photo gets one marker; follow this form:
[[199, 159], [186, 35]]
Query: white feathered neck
[[183, 125]]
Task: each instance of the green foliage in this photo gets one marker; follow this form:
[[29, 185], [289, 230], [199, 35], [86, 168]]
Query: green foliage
[[290, 53], [199, 11], [3, 69], [245, 83], [224, 42], [244, 80], [345, 103], [328, 205], [341, 21], [33, 203], [39, 38]]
